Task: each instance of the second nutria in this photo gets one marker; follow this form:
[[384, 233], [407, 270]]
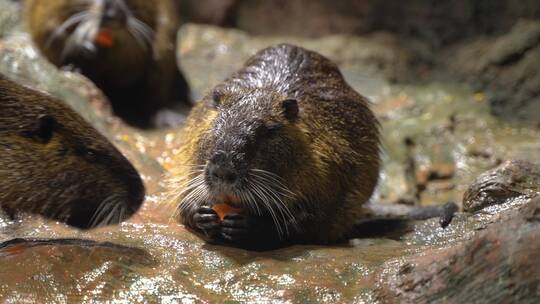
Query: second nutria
[[53, 163], [127, 47], [283, 151]]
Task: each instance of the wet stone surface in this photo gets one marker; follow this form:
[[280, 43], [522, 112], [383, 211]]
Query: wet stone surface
[[511, 180], [507, 66], [155, 259], [499, 263]]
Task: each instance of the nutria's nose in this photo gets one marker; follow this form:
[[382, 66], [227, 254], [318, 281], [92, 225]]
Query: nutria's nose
[[220, 168], [113, 11], [222, 173]]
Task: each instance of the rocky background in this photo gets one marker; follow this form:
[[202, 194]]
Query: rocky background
[[492, 44], [456, 88]]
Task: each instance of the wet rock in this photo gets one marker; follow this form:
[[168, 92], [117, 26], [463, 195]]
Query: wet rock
[[510, 180], [439, 22], [36, 280], [217, 12], [507, 67], [499, 264], [209, 54], [9, 17]]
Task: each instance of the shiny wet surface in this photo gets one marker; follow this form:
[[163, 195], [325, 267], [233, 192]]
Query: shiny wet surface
[[152, 258]]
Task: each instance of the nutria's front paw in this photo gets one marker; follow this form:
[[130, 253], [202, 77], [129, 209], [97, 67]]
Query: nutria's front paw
[[236, 227], [206, 220]]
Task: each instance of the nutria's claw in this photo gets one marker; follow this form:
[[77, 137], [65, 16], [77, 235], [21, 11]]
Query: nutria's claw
[[207, 220], [235, 227]]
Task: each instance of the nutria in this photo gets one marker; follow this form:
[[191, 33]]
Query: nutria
[[127, 47], [53, 163], [287, 142]]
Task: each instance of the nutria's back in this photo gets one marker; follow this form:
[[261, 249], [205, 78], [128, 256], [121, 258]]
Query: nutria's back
[[286, 139], [55, 164], [127, 47]]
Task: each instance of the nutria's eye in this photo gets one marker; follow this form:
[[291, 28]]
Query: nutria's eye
[[273, 128], [217, 95], [290, 108], [42, 131], [91, 155], [269, 130]]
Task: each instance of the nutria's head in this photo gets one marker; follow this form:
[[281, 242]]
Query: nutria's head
[[252, 153], [55, 164], [85, 33]]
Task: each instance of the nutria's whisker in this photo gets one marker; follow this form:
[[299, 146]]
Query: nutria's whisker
[[111, 216], [140, 31], [101, 212], [273, 204], [61, 30], [199, 195], [273, 180], [120, 213], [107, 215], [284, 191], [248, 197], [98, 212], [182, 182], [192, 199], [186, 188], [283, 209], [194, 192], [81, 37], [263, 198], [193, 183], [272, 177], [106, 211]]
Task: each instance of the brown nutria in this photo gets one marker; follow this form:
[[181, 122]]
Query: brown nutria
[[53, 163], [288, 145], [127, 47]]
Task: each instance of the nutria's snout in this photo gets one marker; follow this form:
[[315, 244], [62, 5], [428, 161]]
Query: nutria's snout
[[114, 12], [104, 209], [82, 214], [222, 175], [86, 214]]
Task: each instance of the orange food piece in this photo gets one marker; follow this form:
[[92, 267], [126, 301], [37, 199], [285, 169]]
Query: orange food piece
[[104, 39], [224, 209]]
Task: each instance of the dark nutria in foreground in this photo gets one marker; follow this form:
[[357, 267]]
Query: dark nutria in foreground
[[53, 163], [127, 47], [288, 142]]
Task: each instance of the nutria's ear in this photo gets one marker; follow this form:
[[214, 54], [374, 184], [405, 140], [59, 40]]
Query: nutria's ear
[[42, 130], [290, 108]]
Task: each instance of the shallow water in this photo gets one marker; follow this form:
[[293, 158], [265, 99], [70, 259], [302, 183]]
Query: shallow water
[[155, 259]]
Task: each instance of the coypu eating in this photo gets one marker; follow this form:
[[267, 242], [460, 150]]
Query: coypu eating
[[289, 143], [126, 47], [53, 163]]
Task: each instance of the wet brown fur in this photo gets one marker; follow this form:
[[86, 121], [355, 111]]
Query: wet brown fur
[[64, 170], [328, 157], [138, 81]]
